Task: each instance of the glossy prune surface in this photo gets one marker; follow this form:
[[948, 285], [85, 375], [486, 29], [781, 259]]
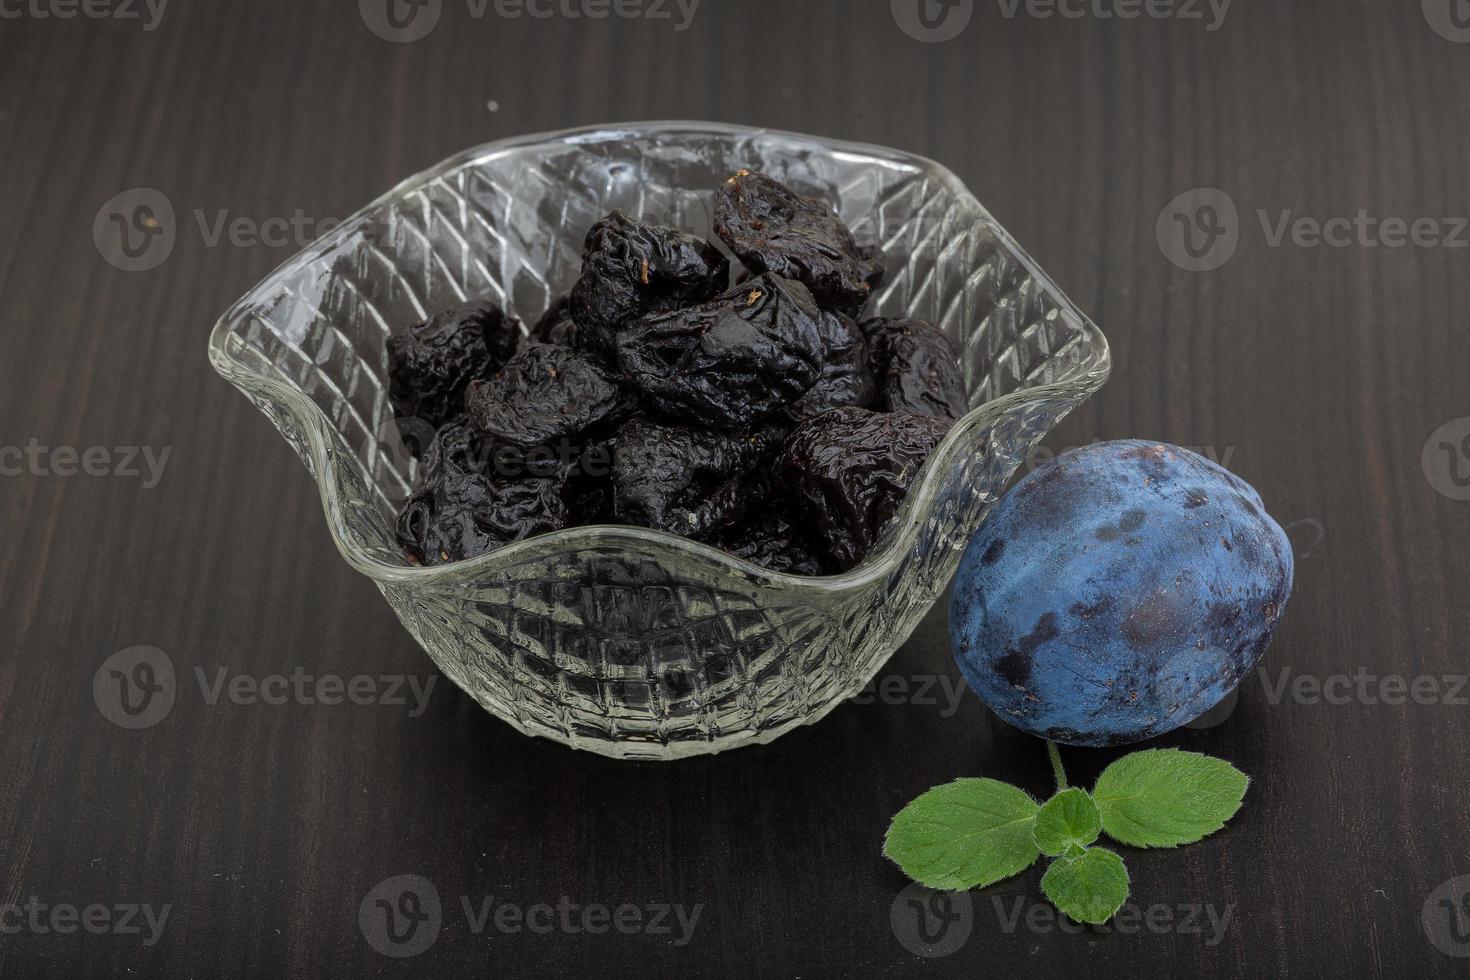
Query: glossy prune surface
[[729, 362], [432, 362], [631, 269], [847, 470], [917, 369], [544, 395], [771, 228]]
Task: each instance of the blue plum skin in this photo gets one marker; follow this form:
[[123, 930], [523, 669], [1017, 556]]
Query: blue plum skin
[[1118, 592]]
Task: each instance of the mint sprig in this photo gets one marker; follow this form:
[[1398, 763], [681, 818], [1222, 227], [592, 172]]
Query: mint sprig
[[974, 832]]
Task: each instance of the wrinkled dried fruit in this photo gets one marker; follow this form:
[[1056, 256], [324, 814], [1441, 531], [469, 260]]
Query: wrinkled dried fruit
[[431, 363], [729, 362], [544, 395], [685, 481], [630, 269], [771, 228], [847, 379], [556, 325], [917, 368], [770, 538], [460, 517], [849, 469]]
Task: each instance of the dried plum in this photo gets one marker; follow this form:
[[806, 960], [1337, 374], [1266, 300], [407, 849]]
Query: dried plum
[[771, 228], [847, 379], [848, 470], [772, 540], [630, 269], [544, 395], [683, 480], [917, 368], [726, 363], [459, 517], [556, 325], [431, 363]]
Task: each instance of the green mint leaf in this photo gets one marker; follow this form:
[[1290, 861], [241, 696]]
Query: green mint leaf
[[1167, 797], [1089, 887], [1068, 819], [965, 834]]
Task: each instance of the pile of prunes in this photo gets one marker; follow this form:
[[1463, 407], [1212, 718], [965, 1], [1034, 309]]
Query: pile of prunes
[[767, 418]]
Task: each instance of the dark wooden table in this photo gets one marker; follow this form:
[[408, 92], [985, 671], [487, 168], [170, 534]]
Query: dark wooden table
[[1319, 371]]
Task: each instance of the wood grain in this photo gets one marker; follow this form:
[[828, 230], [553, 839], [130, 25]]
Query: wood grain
[[1320, 371]]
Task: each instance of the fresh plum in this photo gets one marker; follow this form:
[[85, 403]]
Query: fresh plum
[[1118, 592]]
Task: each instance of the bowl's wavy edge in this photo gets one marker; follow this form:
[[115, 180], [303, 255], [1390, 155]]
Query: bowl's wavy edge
[[319, 432]]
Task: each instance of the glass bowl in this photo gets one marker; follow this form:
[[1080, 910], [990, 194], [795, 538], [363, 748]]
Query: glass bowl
[[628, 642]]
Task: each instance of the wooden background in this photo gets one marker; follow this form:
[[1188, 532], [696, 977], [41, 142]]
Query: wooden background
[[1320, 371]]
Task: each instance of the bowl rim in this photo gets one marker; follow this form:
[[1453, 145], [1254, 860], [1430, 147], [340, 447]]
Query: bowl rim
[[876, 565]]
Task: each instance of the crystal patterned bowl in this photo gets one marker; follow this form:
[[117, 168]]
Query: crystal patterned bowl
[[623, 641]]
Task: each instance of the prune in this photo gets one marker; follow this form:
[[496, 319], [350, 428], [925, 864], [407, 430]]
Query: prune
[[685, 481], [847, 379], [630, 269], [457, 449], [1118, 592], [556, 325], [772, 540], [543, 395], [728, 362], [847, 471], [431, 363], [917, 368], [771, 228], [459, 517]]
